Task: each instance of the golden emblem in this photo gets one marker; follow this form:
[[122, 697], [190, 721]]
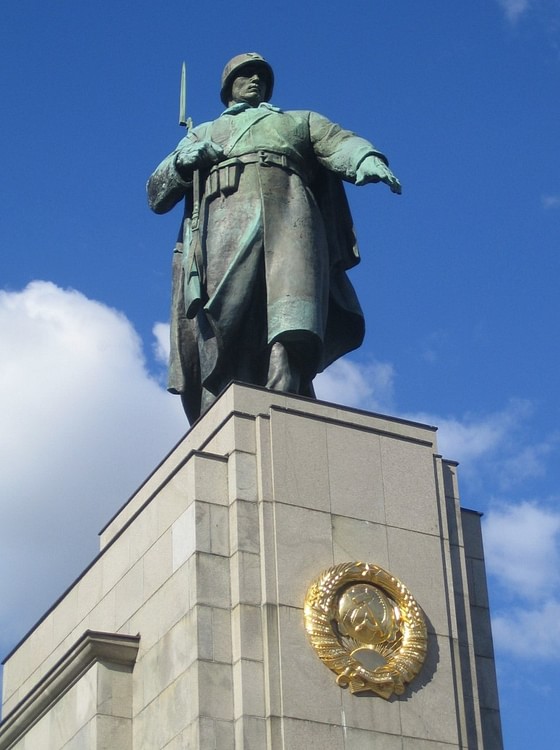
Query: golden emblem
[[365, 625]]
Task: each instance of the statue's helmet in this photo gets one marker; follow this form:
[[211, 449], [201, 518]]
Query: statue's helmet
[[233, 68]]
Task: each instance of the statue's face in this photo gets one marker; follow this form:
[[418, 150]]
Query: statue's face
[[249, 86]]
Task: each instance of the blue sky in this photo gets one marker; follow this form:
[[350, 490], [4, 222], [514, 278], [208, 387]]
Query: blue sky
[[458, 279]]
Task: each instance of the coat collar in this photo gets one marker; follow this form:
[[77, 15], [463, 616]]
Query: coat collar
[[238, 107]]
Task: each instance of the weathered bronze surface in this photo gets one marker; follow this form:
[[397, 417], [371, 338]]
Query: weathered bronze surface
[[260, 291], [365, 625]]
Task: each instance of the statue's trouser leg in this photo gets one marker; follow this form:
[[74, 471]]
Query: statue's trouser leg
[[283, 373]]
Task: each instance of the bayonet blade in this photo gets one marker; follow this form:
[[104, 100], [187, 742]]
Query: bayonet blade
[[183, 97]]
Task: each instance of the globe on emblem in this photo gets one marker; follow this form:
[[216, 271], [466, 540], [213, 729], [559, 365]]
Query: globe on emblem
[[367, 615]]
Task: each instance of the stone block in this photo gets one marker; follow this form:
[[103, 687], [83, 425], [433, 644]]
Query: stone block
[[245, 579], [129, 594], [478, 589], [417, 560], [303, 547], [237, 433], [458, 565], [482, 632], [85, 739], [395, 427], [144, 534], [472, 533], [205, 477], [27, 665], [103, 616], [413, 743], [359, 541], [89, 589], [212, 580], [76, 709], [213, 734], [411, 500], [359, 739], [308, 687], [453, 514], [373, 713], [167, 659], [112, 732], [355, 474], [164, 609], [167, 715], [248, 689], [157, 564], [429, 711], [215, 690], [247, 635], [172, 501], [219, 530], [214, 636], [299, 461], [63, 615], [244, 527], [491, 728], [250, 732], [487, 686], [184, 537], [114, 690], [115, 561], [242, 476], [203, 527], [288, 734], [450, 478], [265, 482], [271, 650]]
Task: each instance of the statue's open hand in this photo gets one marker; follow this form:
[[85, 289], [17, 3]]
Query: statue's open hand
[[198, 155], [372, 169]]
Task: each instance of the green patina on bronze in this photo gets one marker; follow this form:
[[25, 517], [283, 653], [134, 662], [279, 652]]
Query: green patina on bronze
[[260, 291]]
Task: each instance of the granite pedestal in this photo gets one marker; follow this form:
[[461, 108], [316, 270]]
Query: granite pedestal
[[186, 632]]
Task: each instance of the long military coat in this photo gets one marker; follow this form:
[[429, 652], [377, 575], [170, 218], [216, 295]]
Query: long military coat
[[265, 258]]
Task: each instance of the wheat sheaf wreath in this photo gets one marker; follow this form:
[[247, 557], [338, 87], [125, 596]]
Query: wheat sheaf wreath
[[366, 626]]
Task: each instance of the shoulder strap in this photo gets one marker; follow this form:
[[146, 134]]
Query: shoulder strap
[[222, 135]]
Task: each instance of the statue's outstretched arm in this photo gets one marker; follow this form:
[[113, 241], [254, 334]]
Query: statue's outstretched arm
[[348, 155], [373, 169]]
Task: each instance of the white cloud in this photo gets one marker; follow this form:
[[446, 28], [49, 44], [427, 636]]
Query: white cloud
[[474, 436], [514, 9], [431, 346], [83, 423], [365, 386], [162, 343], [529, 462], [551, 201], [529, 632], [522, 544], [522, 549]]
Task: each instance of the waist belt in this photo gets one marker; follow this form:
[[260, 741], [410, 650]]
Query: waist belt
[[224, 176]]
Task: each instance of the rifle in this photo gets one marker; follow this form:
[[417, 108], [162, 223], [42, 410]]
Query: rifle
[[192, 286]]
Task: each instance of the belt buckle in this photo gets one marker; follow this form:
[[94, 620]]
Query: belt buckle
[[263, 159]]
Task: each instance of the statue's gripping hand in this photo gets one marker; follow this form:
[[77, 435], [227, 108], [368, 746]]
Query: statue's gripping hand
[[198, 155], [373, 169]]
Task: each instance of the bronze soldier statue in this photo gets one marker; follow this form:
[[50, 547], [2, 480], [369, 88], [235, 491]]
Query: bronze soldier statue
[[260, 291]]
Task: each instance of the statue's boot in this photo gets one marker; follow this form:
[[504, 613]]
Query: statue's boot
[[283, 374]]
